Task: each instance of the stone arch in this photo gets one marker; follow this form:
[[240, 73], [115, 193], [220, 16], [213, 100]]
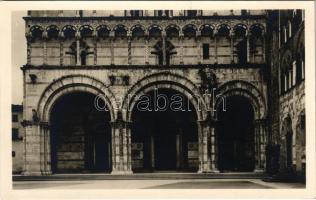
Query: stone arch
[[163, 80], [73, 83], [300, 127], [257, 29], [120, 30], [36, 31], [172, 30], [52, 31], [137, 30], [245, 89], [287, 138], [69, 31], [286, 59], [240, 30], [223, 30], [86, 31], [207, 30], [102, 31], [286, 125], [154, 30], [189, 30]]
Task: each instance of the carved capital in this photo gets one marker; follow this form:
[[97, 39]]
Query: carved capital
[[45, 35], [77, 35], [61, 35]]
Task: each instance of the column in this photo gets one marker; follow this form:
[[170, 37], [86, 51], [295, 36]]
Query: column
[[28, 49], [61, 48], [129, 48], [215, 47], [181, 37], [45, 47], [248, 47], [164, 47], [129, 146], [146, 47], [232, 47], [116, 154], [112, 36], [263, 143], [77, 48], [198, 40], [121, 148], [113, 146], [42, 148], [207, 148], [260, 144], [95, 48], [200, 145], [264, 47], [257, 162], [213, 147], [46, 162], [124, 147]]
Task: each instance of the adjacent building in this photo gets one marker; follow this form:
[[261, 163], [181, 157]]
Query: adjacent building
[[288, 90], [17, 139]]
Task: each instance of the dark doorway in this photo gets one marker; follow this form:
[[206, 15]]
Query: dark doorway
[[165, 149], [289, 150], [165, 139], [235, 132], [80, 135]]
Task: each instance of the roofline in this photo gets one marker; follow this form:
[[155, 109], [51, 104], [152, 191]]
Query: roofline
[[27, 18]]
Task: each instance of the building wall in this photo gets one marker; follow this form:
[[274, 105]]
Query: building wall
[[288, 88], [17, 141], [119, 66]]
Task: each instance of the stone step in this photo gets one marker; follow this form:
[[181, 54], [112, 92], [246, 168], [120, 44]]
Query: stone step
[[142, 176]]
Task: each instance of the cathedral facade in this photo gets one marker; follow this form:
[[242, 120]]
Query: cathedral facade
[[133, 91]]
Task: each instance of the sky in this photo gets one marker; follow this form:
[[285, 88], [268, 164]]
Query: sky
[[18, 55]]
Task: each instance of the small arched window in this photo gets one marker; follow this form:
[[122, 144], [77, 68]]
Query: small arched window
[[36, 32], [69, 32], [207, 30], [52, 32], [154, 31], [172, 31], [120, 31], [189, 31], [138, 31]]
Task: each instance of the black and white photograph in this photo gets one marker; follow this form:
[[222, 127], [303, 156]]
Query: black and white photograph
[[126, 98]]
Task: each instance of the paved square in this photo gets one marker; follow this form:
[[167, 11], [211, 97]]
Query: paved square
[[155, 184]]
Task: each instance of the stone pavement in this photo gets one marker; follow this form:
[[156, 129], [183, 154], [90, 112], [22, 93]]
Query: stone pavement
[[156, 184]]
